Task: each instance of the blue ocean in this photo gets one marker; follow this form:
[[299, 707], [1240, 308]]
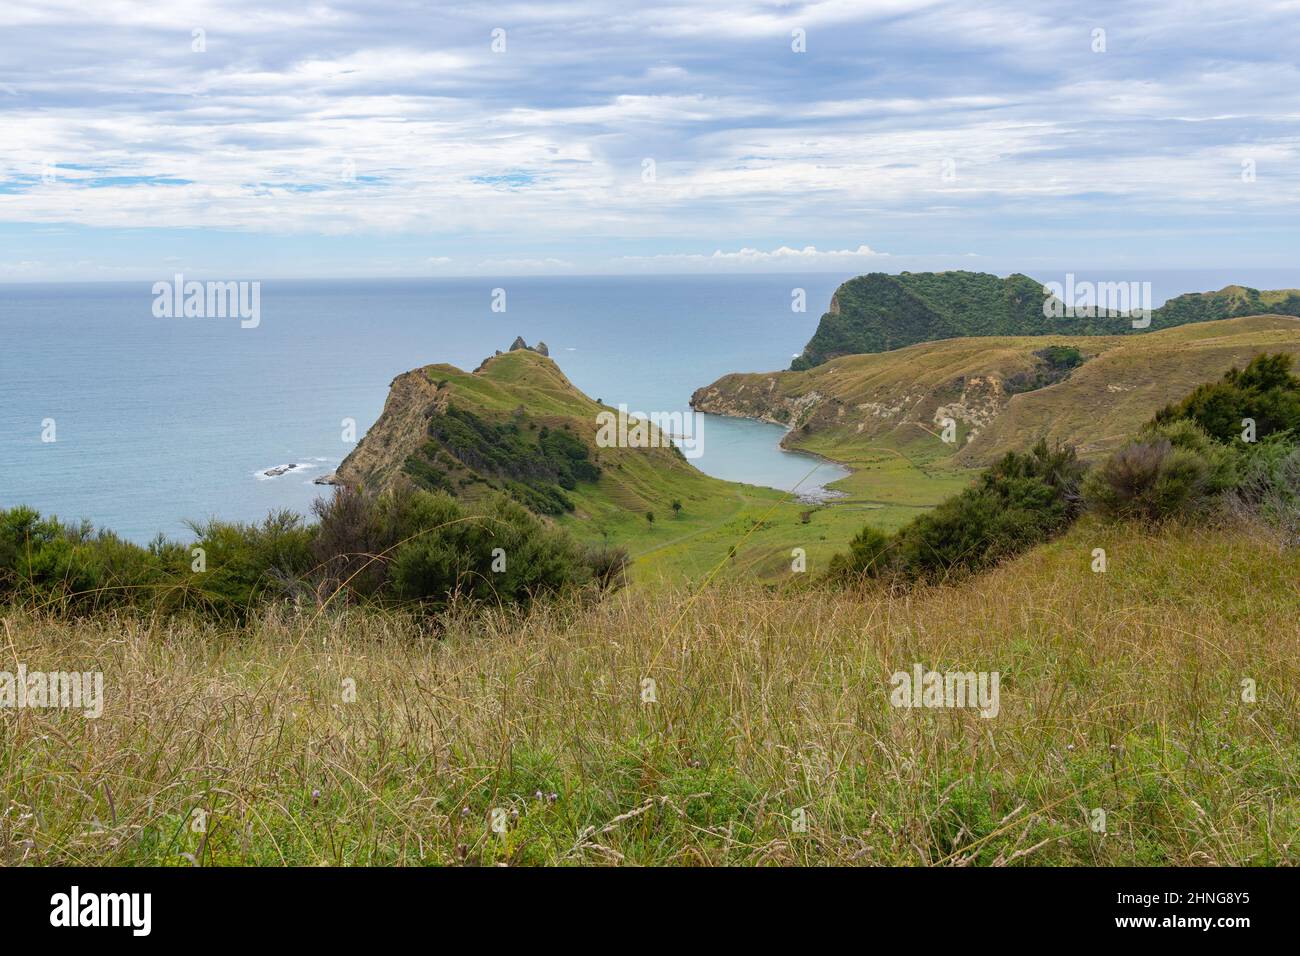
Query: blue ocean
[[157, 421]]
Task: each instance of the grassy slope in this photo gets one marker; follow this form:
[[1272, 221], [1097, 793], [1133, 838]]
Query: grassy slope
[[764, 525], [1105, 400], [715, 514], [1120, 691], [869, 406]]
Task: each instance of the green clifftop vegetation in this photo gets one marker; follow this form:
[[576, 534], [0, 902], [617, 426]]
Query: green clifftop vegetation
[[879, 312]]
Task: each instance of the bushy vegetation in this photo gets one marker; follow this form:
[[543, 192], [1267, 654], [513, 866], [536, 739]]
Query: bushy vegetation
[[244, 564], [1055, 363], [1019, 502], [534, 466], [1268, 488], [73, 568], [1172, 470], [399, 549], [1264, 392], [1195, 451]]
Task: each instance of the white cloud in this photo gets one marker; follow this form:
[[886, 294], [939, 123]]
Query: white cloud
[[806, 254], [751, 141]]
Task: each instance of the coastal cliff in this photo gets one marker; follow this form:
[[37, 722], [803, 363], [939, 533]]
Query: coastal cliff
[[1002, 393]]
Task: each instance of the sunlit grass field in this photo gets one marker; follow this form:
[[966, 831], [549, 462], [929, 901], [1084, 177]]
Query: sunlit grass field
[[770, 738]]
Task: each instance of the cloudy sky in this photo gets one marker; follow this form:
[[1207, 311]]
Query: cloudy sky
[[383, 137]]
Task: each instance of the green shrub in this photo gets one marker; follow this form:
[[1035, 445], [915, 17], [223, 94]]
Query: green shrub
[[868, 556], [981, 526], [1055, 364], [533, 470], [424, 472], [1185, 434], [1265, 391], [246, 563], [1268, 487], [541, 498], [1020, 501], [502, 554], [355, 529], [404, 546], [1151, 480], [74, 569]]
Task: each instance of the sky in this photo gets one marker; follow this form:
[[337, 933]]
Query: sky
[[232, 139]]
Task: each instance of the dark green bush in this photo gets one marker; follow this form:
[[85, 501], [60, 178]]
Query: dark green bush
[[996, 519], [1173, 469], [1055, 364], [1150, 481], [1020, 501], [503, 553], [1268, 487], [246, 563], [868, 555], [353, 534], [402, 547], [535, 470], [541, 498], [416, 546], [1265, 391], [75, 569], [424, 472]]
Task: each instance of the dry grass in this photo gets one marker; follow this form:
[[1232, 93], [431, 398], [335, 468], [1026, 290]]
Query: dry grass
[[1120, 691]]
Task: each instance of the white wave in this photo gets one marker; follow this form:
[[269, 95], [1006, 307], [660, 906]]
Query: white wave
[[279, 471]]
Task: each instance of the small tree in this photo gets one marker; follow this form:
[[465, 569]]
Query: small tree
[[677, 508], [650, 517]]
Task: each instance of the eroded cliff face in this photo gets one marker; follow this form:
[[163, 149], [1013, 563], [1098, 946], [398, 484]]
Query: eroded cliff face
[[750, 396], [376, 462], [809, 404]]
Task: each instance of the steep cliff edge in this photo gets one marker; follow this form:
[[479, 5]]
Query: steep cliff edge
[[413, 398]]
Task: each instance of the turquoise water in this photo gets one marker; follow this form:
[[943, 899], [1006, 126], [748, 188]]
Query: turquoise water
[[162, 420], [738, 449]]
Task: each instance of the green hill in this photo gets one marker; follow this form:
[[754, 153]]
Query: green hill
[[880, 312], [517, 424]]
